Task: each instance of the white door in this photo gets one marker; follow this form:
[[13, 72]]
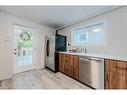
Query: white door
[[24, 49]]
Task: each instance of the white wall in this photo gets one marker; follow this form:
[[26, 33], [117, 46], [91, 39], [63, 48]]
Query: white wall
[[116, 33], [6, 42], [5, 47]]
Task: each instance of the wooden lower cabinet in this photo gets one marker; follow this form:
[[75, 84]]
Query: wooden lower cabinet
[[69, 65], [115, 71], [61, 63], [115, 74], [76, 67]]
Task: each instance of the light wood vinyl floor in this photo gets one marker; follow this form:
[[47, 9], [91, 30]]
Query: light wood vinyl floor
[[41, 79]]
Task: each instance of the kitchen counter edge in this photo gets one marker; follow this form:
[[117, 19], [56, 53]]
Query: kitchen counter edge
[[104, 56]]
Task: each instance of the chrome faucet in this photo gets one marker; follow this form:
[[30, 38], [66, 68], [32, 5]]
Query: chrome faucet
[[84, 50], [81, 50]]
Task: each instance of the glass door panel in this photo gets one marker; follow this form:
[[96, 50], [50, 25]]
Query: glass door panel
[[23, 49]]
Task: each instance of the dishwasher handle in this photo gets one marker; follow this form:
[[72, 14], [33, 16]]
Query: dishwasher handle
[[96, 59], [84, 59]]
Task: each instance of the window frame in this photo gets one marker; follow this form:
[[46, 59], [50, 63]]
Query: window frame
[[88, 25]]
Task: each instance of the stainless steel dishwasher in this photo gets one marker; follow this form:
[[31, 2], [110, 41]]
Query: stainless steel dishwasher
[[91, 71]]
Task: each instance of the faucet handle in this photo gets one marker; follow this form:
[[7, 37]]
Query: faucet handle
[[85, 50]]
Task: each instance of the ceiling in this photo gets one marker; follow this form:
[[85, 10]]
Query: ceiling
[[55, 16]]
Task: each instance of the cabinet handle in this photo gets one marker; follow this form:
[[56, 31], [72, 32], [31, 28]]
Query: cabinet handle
[[107, 77], [66, 60], [66, 69], [117, 67]]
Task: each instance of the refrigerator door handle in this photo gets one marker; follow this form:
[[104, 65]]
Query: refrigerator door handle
[[47, 48]]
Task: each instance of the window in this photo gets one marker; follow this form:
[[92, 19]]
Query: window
[[93, 34]]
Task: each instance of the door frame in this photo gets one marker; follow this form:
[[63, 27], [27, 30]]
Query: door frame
[[33, 66]]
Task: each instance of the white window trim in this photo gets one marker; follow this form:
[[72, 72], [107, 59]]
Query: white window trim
[[87, 25]]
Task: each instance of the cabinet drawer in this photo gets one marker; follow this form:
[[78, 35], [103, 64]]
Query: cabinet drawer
[[116, 66], [68, 58]]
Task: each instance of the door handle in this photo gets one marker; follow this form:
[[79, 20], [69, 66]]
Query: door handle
[[47, 48], [15, 52], [107, 77]]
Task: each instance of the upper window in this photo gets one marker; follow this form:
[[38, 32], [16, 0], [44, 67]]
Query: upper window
[[93, 34]]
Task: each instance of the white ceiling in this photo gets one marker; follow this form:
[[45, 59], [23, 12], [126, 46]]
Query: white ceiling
[[54, 16]]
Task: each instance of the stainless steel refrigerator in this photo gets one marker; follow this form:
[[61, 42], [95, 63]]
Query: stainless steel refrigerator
[[54, 44]]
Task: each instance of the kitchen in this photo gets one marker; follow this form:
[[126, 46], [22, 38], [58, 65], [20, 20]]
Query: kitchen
[[100, 52], [90, 51]]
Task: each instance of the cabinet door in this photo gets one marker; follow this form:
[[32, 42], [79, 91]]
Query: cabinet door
[[115, 74], [116, 81], [68, 64], [66, 68], [76, 67], [107, 81], [61, 63]]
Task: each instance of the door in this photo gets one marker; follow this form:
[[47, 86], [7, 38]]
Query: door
[[61, 63], [50, 52], [69, 62], [115, 74], [24, 50], [76, 67]]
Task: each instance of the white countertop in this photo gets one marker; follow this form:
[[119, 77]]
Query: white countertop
[[115, 57]]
